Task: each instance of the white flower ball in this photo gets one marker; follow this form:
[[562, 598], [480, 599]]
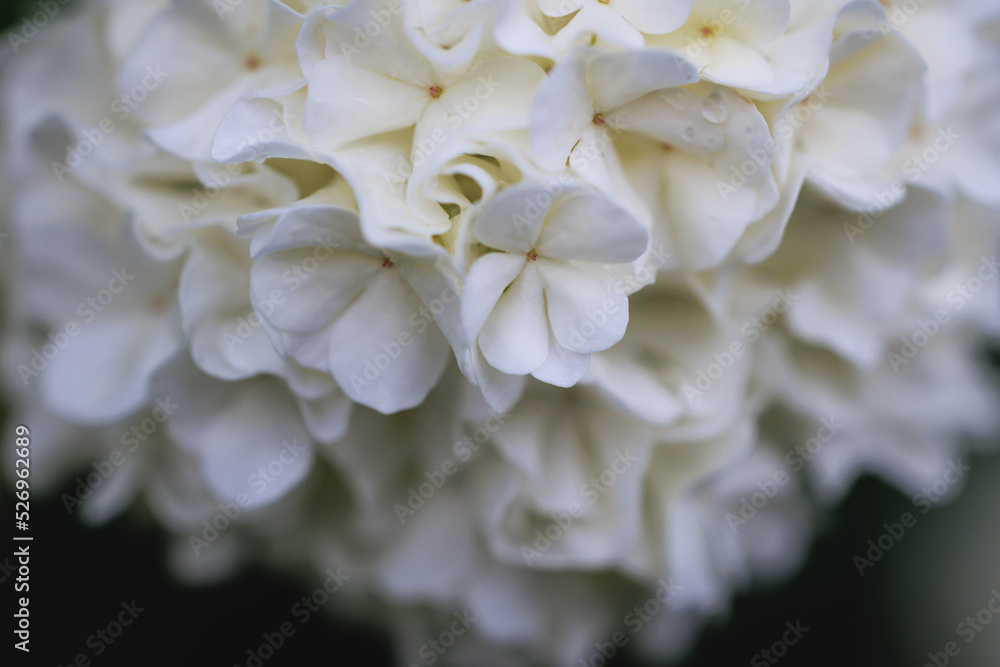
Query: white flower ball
[[518, 315]]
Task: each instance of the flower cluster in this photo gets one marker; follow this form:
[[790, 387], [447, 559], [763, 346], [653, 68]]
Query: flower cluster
[[537, 312]]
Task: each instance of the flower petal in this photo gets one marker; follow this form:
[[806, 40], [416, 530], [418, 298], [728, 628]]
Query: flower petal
[[376, 354], [585, 311], [590, 227], [514, 219], [489, 276], [515, 338]]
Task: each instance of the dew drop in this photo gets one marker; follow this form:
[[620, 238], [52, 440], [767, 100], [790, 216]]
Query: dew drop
[[689, 132], [714, 108]]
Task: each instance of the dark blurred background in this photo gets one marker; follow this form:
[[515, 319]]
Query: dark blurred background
[[13, 10], [895, 615], [80, 576]]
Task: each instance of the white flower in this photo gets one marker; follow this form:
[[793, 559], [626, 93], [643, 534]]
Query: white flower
[[692, 146], [873, 96], [770, 47], [536, 309], [356, 312], [621, 23], [593, 88], [830, 259], [393, 86], [195, 62], [702, 166], [664, 371], [547, 300]]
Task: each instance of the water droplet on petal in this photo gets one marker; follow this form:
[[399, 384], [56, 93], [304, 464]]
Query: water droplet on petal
[[714, 108], [689, 132]]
